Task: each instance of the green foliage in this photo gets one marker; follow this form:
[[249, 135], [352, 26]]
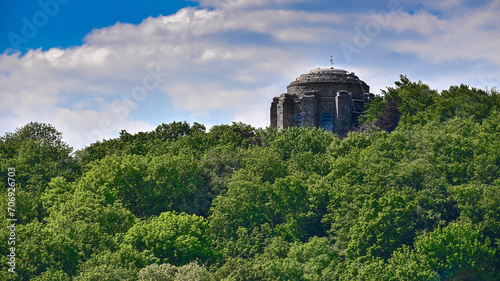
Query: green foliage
[[218, 164], [283, 261], [411, 97], [176, 130], [462, 101], [237, 134], [174, 183], [84, 216], [243, 205], [52, 275], [374, 110], [41, 249], [123, 263], [294, 140], [309, 163], [415, 102], [45, 134], [478, 204], [140, 143], [455, 252], [400, 102], [411, 195], [383, 225], [38, 154], [168, 272], [309, 260], [264, 163], [173, 238]]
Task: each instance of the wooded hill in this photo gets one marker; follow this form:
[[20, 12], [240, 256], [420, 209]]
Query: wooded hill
[[413, 194]]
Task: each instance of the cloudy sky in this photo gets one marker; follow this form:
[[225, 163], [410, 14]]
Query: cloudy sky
[[92, 68]]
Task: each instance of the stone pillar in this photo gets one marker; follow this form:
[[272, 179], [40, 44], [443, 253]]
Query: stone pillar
[[310, 111], [274, 113], [285, 111], [343, 110], [298, 113]]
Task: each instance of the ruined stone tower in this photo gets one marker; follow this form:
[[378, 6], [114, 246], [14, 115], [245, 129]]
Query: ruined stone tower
[[330, 98]]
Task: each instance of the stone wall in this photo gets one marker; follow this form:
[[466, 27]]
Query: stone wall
[[328, 98]]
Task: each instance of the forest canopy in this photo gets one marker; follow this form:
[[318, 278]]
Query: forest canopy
[[413, 193]]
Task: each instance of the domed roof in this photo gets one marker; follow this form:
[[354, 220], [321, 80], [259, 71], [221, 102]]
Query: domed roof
[[330, 70], [326, 75]]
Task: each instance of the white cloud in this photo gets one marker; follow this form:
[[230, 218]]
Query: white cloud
[[230, 59], [83, 127], [421, 22], [471, 36]]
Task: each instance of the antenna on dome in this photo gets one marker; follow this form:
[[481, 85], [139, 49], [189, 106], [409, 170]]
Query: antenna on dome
[[331, 60]]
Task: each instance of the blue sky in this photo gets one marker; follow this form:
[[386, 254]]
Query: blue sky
[[92, 68]]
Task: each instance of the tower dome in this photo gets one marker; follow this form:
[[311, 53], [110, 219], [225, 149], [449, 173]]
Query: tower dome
[[330, 98]]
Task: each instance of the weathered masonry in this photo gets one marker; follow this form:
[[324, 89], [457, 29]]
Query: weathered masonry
[[330, 98]]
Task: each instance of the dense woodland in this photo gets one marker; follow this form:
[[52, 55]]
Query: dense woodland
[[412, 194]]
